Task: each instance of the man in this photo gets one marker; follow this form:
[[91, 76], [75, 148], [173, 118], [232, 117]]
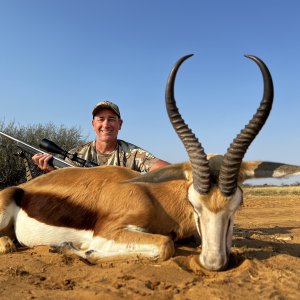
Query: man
[[107, 149]]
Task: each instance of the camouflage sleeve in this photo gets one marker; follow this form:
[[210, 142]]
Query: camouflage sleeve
[[145, 160], [136, 158]]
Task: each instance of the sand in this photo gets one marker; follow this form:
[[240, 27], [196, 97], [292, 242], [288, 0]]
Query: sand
[[265, 265]]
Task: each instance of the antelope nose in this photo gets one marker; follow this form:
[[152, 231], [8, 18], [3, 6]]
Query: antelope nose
[[214, 262]]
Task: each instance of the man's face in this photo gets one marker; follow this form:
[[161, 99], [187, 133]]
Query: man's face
[[106, 124]]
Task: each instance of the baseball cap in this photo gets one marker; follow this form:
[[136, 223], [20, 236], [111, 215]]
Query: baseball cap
[[108, 105]]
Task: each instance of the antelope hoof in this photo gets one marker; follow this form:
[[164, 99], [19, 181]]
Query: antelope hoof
[[167, 249], [7, 245]]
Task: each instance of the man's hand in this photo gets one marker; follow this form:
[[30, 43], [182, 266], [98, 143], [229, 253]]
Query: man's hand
[[42, 161]]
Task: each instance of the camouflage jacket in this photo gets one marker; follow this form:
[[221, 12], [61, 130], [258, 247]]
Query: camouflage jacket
[[126, 155]]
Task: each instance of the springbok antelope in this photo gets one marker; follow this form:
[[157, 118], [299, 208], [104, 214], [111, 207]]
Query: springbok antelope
[[114, 212]]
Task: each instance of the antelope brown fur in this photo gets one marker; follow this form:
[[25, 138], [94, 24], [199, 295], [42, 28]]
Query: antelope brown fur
[[112, 212]]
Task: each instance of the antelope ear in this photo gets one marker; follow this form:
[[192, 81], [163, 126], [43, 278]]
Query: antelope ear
[[171, 172], [265, 169]]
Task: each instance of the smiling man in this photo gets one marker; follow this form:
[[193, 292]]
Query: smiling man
[[107, 149]]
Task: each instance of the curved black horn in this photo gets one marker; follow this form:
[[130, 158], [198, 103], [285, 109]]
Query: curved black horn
[[229, 172], [198, 158]]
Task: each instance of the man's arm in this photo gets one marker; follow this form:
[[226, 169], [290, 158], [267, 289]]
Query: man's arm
[[159, 164]]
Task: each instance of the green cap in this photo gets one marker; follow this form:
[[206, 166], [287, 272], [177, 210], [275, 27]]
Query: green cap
[[108, 105]]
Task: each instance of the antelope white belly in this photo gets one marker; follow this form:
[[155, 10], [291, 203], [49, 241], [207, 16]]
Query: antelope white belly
[[31, 232]]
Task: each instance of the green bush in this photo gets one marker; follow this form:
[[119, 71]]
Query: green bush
[[12, 168]]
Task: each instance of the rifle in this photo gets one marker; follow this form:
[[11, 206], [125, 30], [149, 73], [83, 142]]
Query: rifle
[[55, 162], [52, 147]]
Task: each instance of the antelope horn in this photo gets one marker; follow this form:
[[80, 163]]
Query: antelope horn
[[197, 156], [230, 167]]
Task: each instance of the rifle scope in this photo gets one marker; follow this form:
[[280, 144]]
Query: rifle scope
[[53, 148]]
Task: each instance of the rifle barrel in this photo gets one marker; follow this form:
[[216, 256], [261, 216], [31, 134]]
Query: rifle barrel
[[55, 161]]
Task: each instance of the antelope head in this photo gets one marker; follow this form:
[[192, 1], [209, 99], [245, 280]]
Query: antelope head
[[215, 193]]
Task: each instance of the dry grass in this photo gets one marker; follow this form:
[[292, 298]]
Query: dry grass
[[292, 190]]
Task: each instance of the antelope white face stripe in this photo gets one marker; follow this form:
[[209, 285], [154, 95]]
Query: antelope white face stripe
[[215, 229]]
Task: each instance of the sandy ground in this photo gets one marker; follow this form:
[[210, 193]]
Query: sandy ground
[[265, 265]]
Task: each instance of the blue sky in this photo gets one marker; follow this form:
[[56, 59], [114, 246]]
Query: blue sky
[[60, 57]]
